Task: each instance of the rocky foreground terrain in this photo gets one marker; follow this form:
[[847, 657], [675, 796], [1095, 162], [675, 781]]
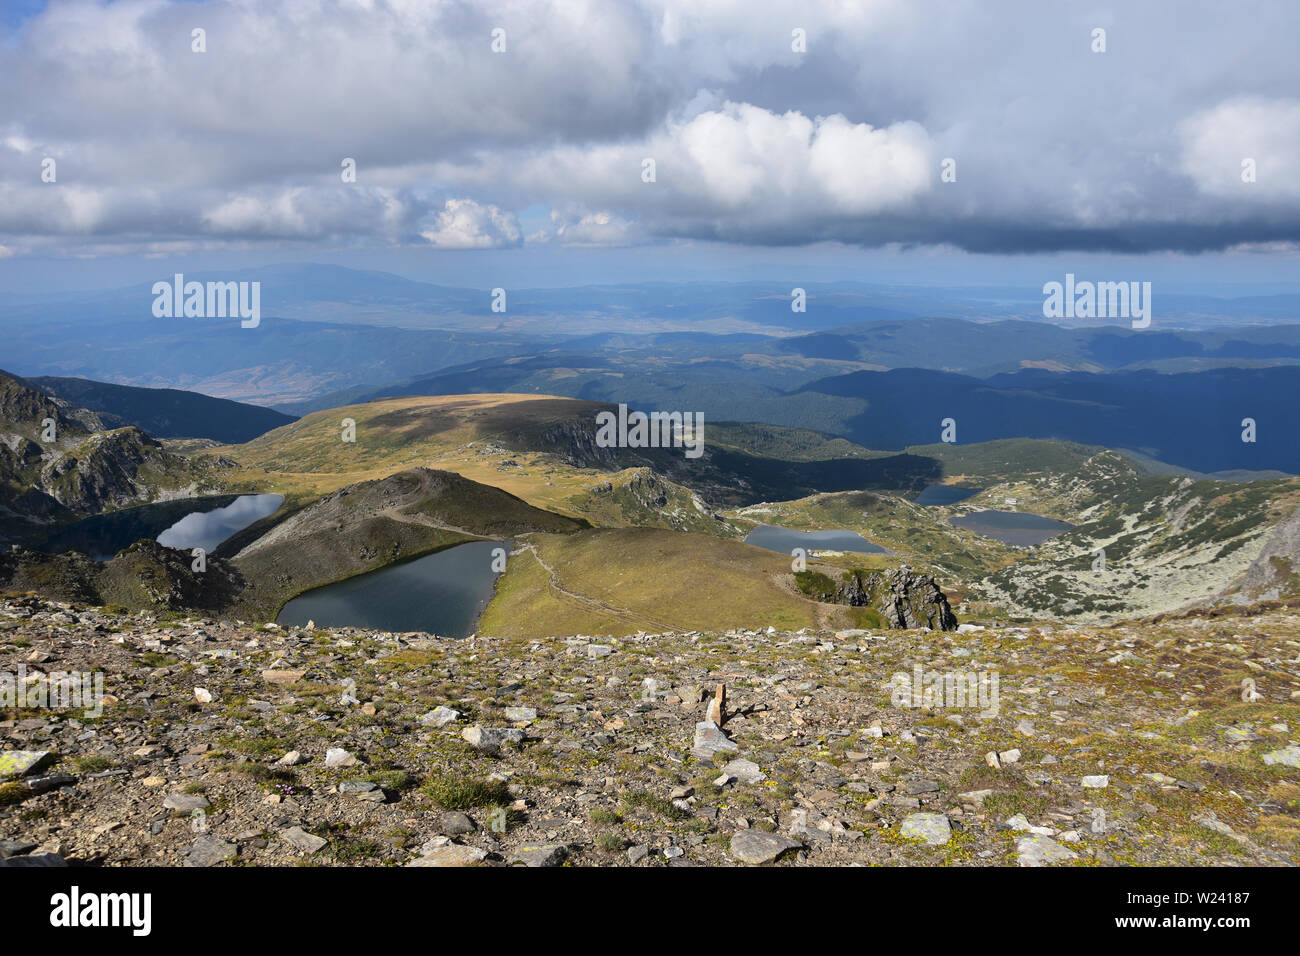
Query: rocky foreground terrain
[[1173, 742]]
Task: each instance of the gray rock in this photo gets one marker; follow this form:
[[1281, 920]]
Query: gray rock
[[10, 848], [455, 823], [186, 802], [209, 850], [539, 854], [599, 650], [1039, 850], [1240, 735], [746, 771], [338, 757], [755, 846], [16, 763], [40, 859], [491, 739], [440, 717], [1098, 782], [51, 781], [300, 839], [364, 790], [521, 713], [1288, 756], [933, 828], [635, 854], [450, 854], [710, 740]]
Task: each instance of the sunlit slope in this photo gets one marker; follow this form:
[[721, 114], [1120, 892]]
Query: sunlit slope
[[544, 450], [481, 437], [620, 581]]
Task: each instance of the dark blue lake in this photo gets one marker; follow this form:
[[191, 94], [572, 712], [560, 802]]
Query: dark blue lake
[[207, 529], [441, 593], [1012, 527], [933, 495], [206, 521], [786, 540]]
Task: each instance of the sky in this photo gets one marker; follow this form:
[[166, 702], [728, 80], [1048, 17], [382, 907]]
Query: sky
[[509, 141]]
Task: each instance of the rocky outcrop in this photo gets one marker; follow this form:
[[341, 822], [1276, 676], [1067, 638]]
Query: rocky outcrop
[[638, 497], [915, 600], [1275, 573], [58, 462], [145, 577], [902, 597]]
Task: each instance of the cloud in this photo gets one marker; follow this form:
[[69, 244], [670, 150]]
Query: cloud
[[1056, 147], [736, 170], [464, 224], [1218, 141], [591, 229], [311, 212]]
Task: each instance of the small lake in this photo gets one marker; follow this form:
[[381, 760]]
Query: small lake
[[441, 593], [103, 536], [1012, 527], [207, 529], [785, 540], [934, 495]]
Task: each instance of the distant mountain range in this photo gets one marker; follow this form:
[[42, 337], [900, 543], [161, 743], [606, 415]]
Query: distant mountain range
[[1194, 420], [331, 335]]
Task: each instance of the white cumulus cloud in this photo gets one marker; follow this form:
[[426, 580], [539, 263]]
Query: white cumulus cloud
[[464, 224]]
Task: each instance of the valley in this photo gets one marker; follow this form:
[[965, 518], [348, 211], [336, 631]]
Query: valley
[[616, 540]]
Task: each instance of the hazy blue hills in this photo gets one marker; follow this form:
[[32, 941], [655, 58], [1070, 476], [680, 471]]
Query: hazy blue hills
[[988, 348], [1192, 419], [329, 334], [1189, 419]]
